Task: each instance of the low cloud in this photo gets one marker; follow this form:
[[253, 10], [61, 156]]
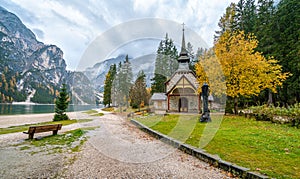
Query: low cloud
[[73, 25]]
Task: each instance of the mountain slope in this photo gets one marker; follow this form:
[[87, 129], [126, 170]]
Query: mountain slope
[[97, 73], [27, 65]]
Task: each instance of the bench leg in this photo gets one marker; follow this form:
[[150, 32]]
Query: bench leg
[[55, 132], [31, 135]]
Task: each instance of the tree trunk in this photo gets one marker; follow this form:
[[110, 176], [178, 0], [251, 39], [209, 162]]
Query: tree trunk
[[270, 96], [235, 105], [140, 107]]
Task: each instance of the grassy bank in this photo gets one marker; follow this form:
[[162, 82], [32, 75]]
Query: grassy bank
[[266, 147]]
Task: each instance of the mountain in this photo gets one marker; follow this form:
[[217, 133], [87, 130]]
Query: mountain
[[31, 68], [96, 74], [145, 63]]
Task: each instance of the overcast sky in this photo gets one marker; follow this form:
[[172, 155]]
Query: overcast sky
[[73, 25]]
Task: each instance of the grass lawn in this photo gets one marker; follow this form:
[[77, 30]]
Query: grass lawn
[[61, 142], [70, 141], [90, 111], [261, 146], [25, 127]]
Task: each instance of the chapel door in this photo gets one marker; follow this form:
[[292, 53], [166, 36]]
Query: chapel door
[[183, 105]]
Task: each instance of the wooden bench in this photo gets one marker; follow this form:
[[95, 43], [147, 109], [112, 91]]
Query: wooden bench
[[45, 128]]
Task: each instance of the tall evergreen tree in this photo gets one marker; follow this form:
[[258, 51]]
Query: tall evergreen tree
[[226, 22], [245, 15], [285, 33], [165, 64], [262, 28], [108, 84], [138, 92], [122, 83], [61, 104]]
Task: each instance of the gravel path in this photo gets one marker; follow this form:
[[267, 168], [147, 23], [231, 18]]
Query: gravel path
[[120, 150], [115, 150], [34, 162]]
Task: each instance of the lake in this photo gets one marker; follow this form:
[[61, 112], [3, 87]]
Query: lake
[[11, 109]]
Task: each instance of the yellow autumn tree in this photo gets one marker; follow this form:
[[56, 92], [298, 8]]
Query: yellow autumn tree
[[246, 71], [209, 70]]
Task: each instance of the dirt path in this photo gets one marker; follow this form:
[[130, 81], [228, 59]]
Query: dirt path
[[115, 150]]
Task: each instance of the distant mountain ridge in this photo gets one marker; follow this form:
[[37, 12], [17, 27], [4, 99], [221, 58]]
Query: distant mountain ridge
[[28, 65], [96, 74]]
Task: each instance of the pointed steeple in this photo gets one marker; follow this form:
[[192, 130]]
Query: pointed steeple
[[183, 49], [183, 56]]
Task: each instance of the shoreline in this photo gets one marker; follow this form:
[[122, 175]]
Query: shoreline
[[37, 108], [22, 119]]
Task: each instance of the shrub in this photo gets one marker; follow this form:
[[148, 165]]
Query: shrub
[[290, 114]]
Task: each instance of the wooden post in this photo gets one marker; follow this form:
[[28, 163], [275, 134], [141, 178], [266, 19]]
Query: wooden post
[[55, 132], [31, 135]]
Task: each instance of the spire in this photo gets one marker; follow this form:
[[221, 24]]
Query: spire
[[183, 56], [183, 49]]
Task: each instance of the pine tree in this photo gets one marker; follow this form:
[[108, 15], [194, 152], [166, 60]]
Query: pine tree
[[122, 84], [262, 28], [138, 92], [108, 85], [61, 105], [126, 77], [165, 64], [226, 22], [286, 47], [245, 15]]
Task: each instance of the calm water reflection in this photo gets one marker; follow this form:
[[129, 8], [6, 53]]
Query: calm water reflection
[[10, 109]]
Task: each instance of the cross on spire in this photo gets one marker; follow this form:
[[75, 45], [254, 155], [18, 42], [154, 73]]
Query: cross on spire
[[182, 26]]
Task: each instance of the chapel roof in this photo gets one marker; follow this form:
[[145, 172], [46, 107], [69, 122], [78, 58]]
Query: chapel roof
[[158, 97], [173, 81]]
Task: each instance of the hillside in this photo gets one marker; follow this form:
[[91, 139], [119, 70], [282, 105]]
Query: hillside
[[27, 65]]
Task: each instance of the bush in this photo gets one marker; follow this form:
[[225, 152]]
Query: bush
[[266, 113], [228, 108]]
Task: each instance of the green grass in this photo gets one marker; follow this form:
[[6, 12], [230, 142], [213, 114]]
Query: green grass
[[65, 139], [25, 127], [90, 111], [266, 147], [98, 114], [70, 141], [58, 143], [108, 109]]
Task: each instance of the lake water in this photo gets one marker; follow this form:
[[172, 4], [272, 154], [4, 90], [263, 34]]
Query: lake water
[[11, 109]]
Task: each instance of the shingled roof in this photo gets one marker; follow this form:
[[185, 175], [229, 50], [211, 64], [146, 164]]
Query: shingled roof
[[158, 97]]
